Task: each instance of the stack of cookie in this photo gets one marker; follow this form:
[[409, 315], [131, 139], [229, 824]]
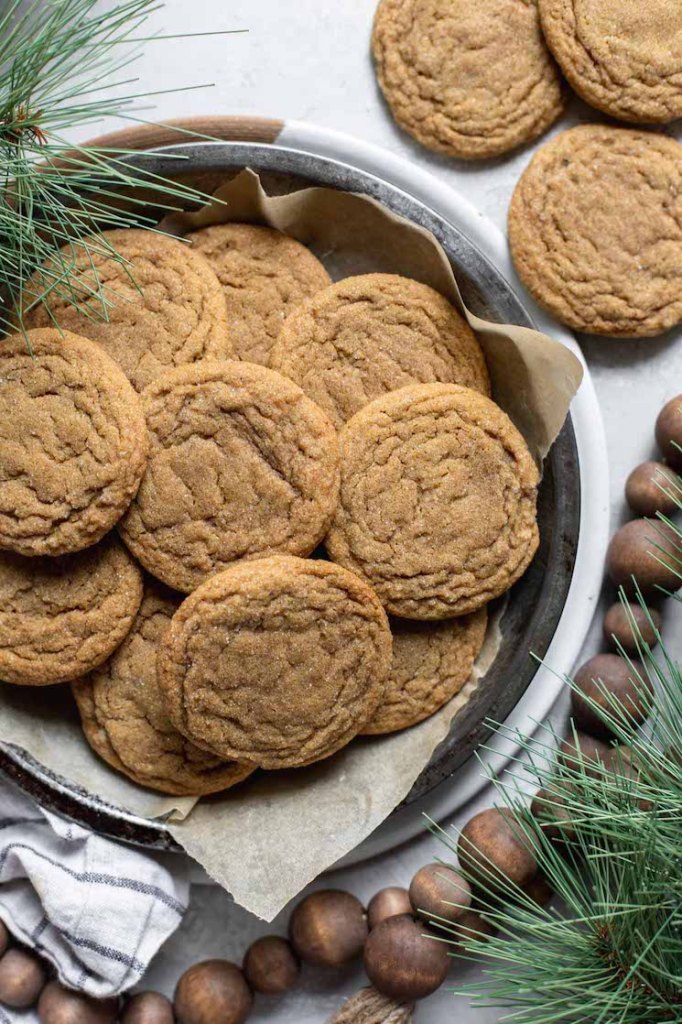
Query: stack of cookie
[[166, 476], [595, 225]]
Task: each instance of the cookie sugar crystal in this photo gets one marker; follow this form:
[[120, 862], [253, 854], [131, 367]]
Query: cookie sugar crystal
[[437, 509]]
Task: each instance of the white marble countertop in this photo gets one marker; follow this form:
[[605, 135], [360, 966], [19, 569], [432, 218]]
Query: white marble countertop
[[309, 60]]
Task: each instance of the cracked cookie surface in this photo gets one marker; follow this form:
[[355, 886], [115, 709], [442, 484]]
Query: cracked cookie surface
[[622, 56], [73, 443], [431, 663], [242, 465], [472, 80], [374, 333], [62, 617], [264, 275], [124, 717], [437, 508], [595, 230], [278, 662], [165, 306]]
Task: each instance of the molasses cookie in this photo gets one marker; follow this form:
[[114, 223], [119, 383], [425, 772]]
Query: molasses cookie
[[622, 57], [595, 229], [62, 617], [431, 663], [125, 720], [264, 275], [242, 464], [368, 335], [471, 80], [437, 509], [73, 443], [163, 302], [277, 662]]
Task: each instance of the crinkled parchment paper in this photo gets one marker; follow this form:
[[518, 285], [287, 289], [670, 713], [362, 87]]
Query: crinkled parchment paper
[[264, 840]]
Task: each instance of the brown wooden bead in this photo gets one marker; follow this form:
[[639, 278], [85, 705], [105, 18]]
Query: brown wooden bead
[[328, 928], [404, 963], [634, 552], [437, 891], [552, 816], [59, 1005], [669, 431], [645, 489], [271, 966], [623, 761], [148, 1008], [584, 749], [539, 890], [389, 902], [22, 978], [492, 851], [4, 938], [212, 992], [609, 676], [618, 627], [469, 927]]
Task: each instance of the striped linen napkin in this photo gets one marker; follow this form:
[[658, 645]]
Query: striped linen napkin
[[95, 909]]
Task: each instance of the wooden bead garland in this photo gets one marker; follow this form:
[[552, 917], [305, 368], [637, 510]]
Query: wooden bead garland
[[328, 928], [60, 1005], [148, 1008], [271, 966], [389, 902], [402, 962], [212, 992], [22, 979], [622, 690], [618, 626], [493, 852], [437, 891]]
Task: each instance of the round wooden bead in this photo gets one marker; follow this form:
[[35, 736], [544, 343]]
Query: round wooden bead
[[437, 891], [271, 966], [634, 551], [669, 431], [539, 890], [471, 926], [492, 850], [22, 978], [389, 902], [618, 626], [328, 928], [609, 676], [645, 489], [402, 962], [4, 937], [148, 1008], [585, 750], [552, 816], [59, 1005], [212, 992]]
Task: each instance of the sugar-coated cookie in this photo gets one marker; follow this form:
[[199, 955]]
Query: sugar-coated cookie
[[469, 79], [242, 464], [278, 662], [437, 509], [374, 333]]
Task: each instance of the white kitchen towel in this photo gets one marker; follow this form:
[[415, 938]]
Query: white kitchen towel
[[95, 909]]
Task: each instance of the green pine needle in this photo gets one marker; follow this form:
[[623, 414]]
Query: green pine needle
[[65, 64], [609, 950]]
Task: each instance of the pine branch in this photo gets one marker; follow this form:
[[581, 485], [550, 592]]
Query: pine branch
[[609, 842], [61, 64]]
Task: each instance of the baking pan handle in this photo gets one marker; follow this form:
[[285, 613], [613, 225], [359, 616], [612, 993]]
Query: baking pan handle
[[169, 133]]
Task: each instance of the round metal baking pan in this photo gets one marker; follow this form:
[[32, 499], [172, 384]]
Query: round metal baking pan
[[534, 605]]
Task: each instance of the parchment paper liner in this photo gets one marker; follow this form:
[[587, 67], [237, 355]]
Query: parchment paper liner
[[264, 840]]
